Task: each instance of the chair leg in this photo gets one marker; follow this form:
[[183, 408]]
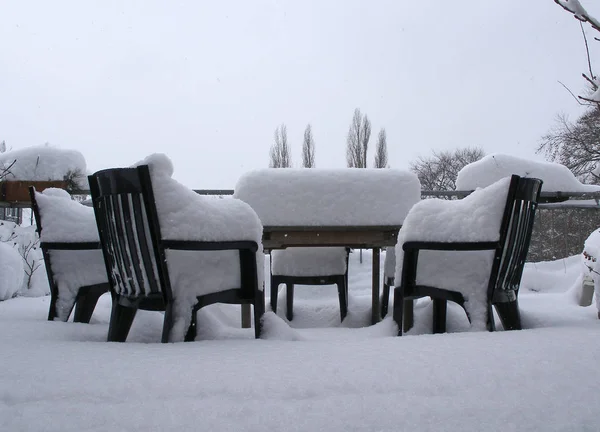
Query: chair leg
[[343, 296], [121, 319], [440, 307], [409, 314], [398, 309], [385, 298], [490, 325], [289, 313], [259, 310], [52, 310], [509, 315], [190, 335], [87, 298], [274, 293], [168, 322]]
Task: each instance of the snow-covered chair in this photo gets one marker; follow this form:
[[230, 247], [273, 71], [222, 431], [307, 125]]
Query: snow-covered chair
[[389, 269], [169, 249], [471, 251], [72, 254], [309, 266]]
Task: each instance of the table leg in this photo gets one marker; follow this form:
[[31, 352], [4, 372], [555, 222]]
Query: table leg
[[375, 308], [409, 306], [246, 316]]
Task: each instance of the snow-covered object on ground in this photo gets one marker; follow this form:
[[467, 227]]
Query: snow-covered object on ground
[[474, 218], [185, 215], [66, 220], [329, 197], [491, 168], [591, 268], [11, 271], [43, 163], [309, 261]]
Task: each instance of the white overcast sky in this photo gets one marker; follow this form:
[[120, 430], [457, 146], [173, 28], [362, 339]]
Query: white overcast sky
[[207, 83]]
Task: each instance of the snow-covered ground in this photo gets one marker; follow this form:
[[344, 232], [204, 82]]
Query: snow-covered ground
[[312, 374]]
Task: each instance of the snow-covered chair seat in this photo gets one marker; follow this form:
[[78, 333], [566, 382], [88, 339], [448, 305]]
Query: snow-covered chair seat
[[471, 251], [168, 248], [309, 266], [72, 254]]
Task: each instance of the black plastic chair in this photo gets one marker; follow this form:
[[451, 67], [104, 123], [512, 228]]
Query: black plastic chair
[[307, 278], [136, 260], [507, 268], [87, 296]]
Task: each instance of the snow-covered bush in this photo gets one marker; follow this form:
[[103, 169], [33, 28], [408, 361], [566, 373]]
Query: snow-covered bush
[[11, 271], [25, 242]]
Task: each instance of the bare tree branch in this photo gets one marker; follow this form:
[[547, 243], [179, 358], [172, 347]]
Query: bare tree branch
[[439, 172], [572, 94]]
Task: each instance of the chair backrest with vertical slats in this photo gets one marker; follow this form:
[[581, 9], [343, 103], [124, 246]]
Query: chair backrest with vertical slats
[[129, 231], [515, 235]]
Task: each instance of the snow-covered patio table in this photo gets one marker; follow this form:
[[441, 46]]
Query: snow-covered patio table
[[357, 208]]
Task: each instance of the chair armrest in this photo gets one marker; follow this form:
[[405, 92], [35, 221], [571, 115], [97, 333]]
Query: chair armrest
[[450, 246], [209, 245]]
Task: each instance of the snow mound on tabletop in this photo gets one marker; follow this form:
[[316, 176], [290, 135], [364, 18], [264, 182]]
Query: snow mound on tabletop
[[491, 168], [43, 163], [329, 197], [185, 215], [65, 220], [11, 271], [474, 218]]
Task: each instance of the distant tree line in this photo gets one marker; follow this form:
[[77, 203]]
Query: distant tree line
[[357, 144]]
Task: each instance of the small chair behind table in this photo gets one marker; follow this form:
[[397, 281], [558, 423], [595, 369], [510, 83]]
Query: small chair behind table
[[69, 263], [136, 256], [309, 266], [509, 254]]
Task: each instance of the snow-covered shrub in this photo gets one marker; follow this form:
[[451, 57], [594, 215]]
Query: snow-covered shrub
[[25, 242], [11, 271]]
